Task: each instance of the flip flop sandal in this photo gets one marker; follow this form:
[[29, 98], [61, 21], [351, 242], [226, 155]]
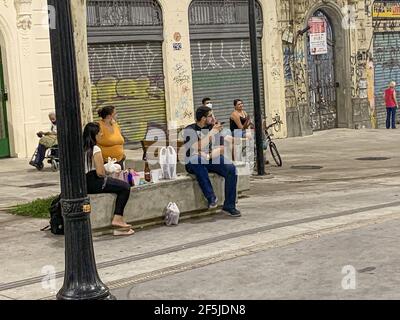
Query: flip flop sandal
[[123, 233], [121, 227]]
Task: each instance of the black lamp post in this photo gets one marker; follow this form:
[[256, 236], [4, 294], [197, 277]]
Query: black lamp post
[[256, 88], [81, 280]]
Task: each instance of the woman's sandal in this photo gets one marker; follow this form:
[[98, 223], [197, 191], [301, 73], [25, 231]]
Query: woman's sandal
[[123, 232], [115, 226]]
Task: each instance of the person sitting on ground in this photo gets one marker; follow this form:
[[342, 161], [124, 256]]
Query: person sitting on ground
[[47, 140], [96, 179], [201, 158], [111, 142]]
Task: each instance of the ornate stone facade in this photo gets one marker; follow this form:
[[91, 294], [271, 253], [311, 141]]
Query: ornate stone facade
[[24, 14], [352, 24], [26, 62]]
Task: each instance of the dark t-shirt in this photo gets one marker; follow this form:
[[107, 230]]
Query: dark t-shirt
[[192, 134]]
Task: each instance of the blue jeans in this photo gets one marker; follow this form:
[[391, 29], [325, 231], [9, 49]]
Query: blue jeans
[[200, 168], [391, 117], [41, 154]]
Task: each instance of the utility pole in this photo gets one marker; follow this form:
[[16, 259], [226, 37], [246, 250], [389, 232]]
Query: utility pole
[[256, 89], [81, 280]]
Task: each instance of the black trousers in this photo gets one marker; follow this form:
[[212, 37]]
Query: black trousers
[[122, 189]]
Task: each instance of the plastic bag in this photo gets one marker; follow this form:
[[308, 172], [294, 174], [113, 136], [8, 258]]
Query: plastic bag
[[172, 214], [163, 162], [171, 159], [168, 160], [111, 166]]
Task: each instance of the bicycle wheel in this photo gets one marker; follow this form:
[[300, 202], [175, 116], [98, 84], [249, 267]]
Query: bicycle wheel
[[275, 154]]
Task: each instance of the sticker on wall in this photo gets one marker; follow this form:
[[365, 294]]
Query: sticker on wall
[[177, 46], [177, 37]]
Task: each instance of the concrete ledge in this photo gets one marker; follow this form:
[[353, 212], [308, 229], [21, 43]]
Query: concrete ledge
[[148, 202]]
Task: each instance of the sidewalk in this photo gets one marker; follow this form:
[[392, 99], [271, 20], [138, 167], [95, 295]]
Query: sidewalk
[[290, 205]]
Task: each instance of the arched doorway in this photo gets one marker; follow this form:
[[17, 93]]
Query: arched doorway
[[321, 73], [4, 137], [221, 58]]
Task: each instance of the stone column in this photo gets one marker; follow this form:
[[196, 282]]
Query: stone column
[[274, 81], [78, 11], [177, 63], [30, 101]]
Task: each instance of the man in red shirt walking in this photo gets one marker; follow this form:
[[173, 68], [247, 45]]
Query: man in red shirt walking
[[391, 105]]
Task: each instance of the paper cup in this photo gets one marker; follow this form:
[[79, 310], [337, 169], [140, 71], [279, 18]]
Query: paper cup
[[136, 180], [155, 175]]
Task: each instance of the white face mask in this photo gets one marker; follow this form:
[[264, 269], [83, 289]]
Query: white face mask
[[209, 105]]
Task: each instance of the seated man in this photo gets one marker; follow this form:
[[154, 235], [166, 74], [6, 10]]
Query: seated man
[[47, 140], [202, 158]]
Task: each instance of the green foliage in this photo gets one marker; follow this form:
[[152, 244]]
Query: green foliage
[[38, 208]]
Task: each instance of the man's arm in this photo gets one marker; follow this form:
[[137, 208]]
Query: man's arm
[[207, 139]]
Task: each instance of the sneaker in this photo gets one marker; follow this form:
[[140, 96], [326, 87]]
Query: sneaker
[[232, 212], [36, 165], [213, 204]]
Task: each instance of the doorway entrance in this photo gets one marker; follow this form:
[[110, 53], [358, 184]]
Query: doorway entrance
[[321, 75], [4, 138]]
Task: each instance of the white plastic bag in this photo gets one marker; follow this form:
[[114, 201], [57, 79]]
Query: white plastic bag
[[111, 166], [163, 162], [171, 159], [168, 159], [172, 214]]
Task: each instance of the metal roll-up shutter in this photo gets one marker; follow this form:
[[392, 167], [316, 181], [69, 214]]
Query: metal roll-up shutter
[[222, 71], [221, 56], [126, 63], [129, 76], [387, 68]]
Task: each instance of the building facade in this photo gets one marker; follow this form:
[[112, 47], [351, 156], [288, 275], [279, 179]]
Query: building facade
[[156, 59], [329, 90], [386, 45], [25, 75]]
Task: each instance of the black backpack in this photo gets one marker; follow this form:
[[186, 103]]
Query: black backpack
[[56, 219]]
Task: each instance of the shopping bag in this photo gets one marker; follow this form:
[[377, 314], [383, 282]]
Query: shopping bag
[[163, 162], [111, 166], [119, 175], [171, 160], [172, 214]]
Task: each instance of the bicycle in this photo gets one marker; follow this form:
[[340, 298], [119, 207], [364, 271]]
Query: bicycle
[[268, 140]]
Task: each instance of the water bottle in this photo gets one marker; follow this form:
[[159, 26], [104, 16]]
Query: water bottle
[[130, 178]]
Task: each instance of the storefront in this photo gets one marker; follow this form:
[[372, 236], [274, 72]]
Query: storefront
[[126, 63], [386, 20], [221, 58]]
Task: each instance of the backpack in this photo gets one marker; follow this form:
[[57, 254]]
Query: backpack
[[56, 219]]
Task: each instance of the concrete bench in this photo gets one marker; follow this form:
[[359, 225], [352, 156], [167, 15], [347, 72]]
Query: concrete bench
[[147, 202]]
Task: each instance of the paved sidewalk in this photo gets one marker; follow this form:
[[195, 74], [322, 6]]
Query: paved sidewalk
[[291, 205]]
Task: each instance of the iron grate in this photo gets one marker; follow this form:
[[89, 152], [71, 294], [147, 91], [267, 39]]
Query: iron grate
[[306, 167], [373, 158], [38, 185]]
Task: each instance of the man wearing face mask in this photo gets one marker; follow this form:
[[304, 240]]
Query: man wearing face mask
[[207, 103], [47, 140], [203, 157]]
